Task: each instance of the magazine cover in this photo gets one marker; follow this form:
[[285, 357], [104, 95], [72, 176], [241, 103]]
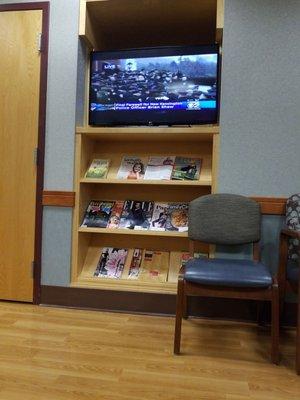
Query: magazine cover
[[159, 217], [177, 219], [136, 214], [132, 167], [97, 214], [111, 263], [159, 168], [115, 215], [179, 259], [155, 265], [135, 264], [98, 169], [186, 168]]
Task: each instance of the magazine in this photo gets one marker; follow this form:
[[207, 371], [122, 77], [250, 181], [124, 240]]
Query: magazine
[[135, 264], [186, 168], [136, 214], [159, 168], [98, 169], [159, 217], [115, 215], [179, 259], [155, 265], [111, 263], [177, 219], [132, 167], [97, 214]]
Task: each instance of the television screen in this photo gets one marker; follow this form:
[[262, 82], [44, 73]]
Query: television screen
[[157, 86]]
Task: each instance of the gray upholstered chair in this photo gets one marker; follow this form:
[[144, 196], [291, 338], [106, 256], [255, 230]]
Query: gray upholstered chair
[[289, 260], [226, 219]]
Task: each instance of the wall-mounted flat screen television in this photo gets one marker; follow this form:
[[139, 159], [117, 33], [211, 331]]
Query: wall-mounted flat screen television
[[154, 86]]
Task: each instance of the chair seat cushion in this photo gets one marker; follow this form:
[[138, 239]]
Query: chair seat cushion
[[293, 272], [226, 272]]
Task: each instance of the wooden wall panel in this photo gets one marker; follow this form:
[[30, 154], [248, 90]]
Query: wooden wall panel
[[58, 198], [272, 205]]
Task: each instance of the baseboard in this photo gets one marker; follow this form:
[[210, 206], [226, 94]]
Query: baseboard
[[158, 304], [108, 300]]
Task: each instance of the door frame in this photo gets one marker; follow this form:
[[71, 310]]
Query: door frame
[[44, 7]]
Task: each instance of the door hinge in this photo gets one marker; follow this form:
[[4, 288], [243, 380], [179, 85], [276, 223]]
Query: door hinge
[[36, 156], [33, 263], [40, 42]]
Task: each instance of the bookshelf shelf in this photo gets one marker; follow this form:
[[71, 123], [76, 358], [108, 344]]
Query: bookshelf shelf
[[133, 232], [154, 134], [125, 285], [146, 130], [146, 182]]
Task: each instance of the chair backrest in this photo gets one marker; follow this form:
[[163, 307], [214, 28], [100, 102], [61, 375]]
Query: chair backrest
[[227, 219], [293, 222]]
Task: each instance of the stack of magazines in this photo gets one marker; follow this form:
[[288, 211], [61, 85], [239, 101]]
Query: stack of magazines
[[141, 264], [149, 168], [137, 215]]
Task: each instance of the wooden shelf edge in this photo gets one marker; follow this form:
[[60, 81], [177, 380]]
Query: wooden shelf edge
[[123, 285], [132, 232], [196, 129], [146, 182]]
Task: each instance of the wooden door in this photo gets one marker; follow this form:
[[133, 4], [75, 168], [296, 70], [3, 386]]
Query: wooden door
[[19, 124]]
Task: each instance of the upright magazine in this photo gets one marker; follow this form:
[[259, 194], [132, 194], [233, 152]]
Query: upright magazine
[[111, 263], [155, 265], [159, 216], [132, 167], [135, 264], [98, 169], [97, 214], [179, 259], [186, 168], [177, 219], [160, 168], [115, 215], [136, 215]]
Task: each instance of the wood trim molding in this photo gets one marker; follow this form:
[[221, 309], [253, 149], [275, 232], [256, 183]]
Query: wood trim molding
[[269, 205], [58, 198], [158, 304], [40, 5]]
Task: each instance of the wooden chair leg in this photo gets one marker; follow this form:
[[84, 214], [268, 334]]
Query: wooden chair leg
[[298, 338], [179, 315], [185, 307], [282, 292], [275, 324]]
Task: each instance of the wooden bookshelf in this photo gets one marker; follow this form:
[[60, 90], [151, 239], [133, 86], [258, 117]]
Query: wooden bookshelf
[[100, 142], [117, 24]]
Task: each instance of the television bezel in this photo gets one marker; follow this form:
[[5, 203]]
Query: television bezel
[[153, 119]]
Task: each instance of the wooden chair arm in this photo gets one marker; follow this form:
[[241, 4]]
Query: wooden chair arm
[[291, 233], [181, 273]]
